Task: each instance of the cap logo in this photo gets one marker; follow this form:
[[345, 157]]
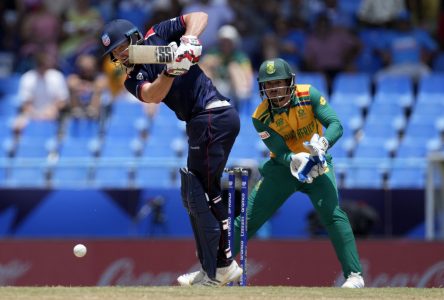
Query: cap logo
[[270, 68], [106, 40]]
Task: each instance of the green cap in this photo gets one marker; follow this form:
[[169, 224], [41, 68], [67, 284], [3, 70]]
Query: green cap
[[274, 69]]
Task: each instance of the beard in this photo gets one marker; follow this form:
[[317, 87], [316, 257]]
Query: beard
[[280, 101]]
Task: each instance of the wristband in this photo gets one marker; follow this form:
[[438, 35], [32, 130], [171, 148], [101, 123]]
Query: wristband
[[164, 72]]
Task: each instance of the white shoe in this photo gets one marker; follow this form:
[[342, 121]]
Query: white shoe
[[354, 281], [188, 278], [223, 276]]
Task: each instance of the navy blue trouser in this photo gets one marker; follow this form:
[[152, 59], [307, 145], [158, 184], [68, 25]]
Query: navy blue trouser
[[211, 135]]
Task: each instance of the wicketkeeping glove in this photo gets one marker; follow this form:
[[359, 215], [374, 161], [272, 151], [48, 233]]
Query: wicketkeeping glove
[[178, 66], [317, 147], [189, 48], [303, 167]]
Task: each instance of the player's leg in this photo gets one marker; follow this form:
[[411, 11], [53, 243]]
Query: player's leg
[[205, 226], [267, 195], [212, 136], [222, 129], [323, 194]]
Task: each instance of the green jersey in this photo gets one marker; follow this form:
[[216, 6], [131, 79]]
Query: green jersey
[[284, 130]]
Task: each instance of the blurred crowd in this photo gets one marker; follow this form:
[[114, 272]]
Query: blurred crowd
[[326, 36]]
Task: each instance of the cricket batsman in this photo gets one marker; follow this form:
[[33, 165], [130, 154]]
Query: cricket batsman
[[290, 121], [212, 125]]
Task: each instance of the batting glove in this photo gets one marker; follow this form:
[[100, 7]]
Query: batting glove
[[317, 147], [178, 66], [303, 167], [189, 48]]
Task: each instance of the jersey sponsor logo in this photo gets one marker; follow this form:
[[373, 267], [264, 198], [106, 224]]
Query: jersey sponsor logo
[[322, 101], [139, 76], [106, 40], [264, 135]]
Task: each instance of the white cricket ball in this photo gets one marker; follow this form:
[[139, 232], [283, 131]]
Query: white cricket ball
[[79, 250]]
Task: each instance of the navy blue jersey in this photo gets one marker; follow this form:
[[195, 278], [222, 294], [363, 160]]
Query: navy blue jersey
[[190, 92]]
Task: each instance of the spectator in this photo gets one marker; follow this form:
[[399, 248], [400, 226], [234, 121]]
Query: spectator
[[87, 86], [407, 50], [286, 42], [440, 26], [8, 25], [115, 77], [43, 92], [229, 67], [380, 12], [425, 13], [136, 11], [330, 49], [338, 16], [81, 28], [40, 31], [59, 7], [250, 27]]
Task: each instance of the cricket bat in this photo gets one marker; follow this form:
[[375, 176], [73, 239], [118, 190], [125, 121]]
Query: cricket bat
[[150, 54]]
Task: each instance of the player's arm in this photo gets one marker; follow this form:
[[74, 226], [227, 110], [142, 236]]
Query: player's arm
[[149, 92], [156, 91], [327, 116], [274, 142], [195, 23]]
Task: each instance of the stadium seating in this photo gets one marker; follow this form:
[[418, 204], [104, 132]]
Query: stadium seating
[[406, 174], [35, 147], [412, 146], [372, 147], [431, 107], [112, 175], [431, 84], [76, 161], [9, 105], [40, 129], [9, 85], [352, 85], [158, 177], [365, 176], [399, 86], [381, 125], [73, 173], [25, 175], [438, 63], [315, 79], [368, 61], [81, 128], [349, 114]]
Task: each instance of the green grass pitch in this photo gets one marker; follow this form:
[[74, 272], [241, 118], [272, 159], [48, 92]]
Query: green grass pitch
[[225, 293]]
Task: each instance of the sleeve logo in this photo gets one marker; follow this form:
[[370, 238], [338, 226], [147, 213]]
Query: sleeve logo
[[323, 101], [264, 135]]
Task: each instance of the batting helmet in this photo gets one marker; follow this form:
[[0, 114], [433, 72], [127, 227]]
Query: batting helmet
[[118, 31], [274, 69]]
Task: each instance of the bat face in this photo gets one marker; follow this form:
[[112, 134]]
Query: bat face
[[149, 54]]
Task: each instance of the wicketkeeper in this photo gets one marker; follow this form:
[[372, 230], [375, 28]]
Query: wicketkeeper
[[290, 121]]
